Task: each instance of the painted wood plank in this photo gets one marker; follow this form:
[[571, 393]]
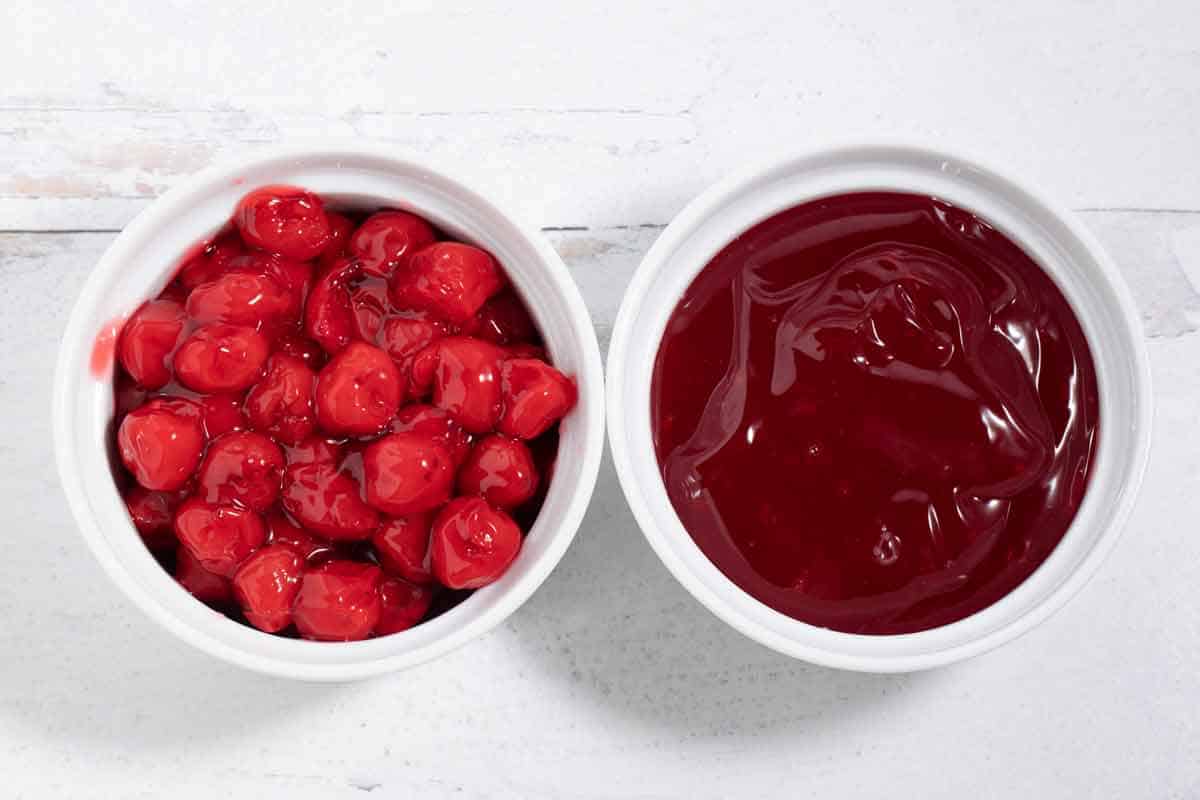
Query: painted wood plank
[[611, 115]]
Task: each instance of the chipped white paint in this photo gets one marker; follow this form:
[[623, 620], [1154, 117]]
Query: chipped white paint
[[611, 682]]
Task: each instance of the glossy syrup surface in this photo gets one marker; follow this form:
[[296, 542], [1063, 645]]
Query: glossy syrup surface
[[875, 413]]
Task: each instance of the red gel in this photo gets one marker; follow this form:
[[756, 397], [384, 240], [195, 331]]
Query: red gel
[[875, 413]]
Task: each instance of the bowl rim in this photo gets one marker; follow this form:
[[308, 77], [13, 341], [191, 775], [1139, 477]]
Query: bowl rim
[[718, 593], [75, 347]]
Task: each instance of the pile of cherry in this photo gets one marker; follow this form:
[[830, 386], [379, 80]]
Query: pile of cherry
[[326, 423]]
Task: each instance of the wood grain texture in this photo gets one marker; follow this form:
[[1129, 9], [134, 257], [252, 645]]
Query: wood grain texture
[[611, 682], [602, 116]]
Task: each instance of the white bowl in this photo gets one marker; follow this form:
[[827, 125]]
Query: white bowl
[[1048, 233], [138, 265]]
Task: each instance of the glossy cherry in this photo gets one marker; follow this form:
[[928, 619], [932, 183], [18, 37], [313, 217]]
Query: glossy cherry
[[281, 530], [329, 315], [406, 473], [358, 391], [312, 450], [153, 515], [303, 348], [449, 279], [266, 584], [281, 403], [148, 339], [241, 468], [504, 319], [220, 537], [325, 499], [472, 544], [500, 470], [240, 298], [340, 228], [402, 605], [221, 358], [369, 305], [465, 376], [221, 413], [436, 423], [284, 220], [338, 601], [536, 396], [294, 276], [212, 260], [161, 442], [205, 586], [387, 240], [403, 337], [402, 546]]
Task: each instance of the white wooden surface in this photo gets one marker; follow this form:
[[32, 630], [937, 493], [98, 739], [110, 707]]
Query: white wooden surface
[[612, 682]]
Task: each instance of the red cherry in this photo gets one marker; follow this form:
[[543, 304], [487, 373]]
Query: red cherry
[[160, 443], [536, 395], [403, 605], [148, 339], [327, 500], [358, 391], [450, 279], [284, 220], [241, 468], [406, 473], [466, 381], [221, 358], [205, 586], [219, 537], [422, 368], [281, 403], [472, 543], [152, 515], [500, 470], [266, 584], [329, 315], [437, 424], [221, 413], [212, 261], [503, 320], [404, 337], [303, 348], [402, 547], [281, 530], [387, 240], [313, 450], [340, 228], [369, 302], [240, 298], [295, 277], [338, 601]]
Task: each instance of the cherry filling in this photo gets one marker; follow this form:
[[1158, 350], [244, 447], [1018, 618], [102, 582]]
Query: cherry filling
[[307, 417], [873, 412]]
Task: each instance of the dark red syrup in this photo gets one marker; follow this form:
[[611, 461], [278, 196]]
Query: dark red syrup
[[875, 413]]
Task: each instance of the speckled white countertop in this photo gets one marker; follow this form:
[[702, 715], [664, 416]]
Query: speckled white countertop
[[599, 125]]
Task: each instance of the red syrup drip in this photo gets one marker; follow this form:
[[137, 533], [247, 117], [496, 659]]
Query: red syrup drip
[[875, 413], [104, 348]]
